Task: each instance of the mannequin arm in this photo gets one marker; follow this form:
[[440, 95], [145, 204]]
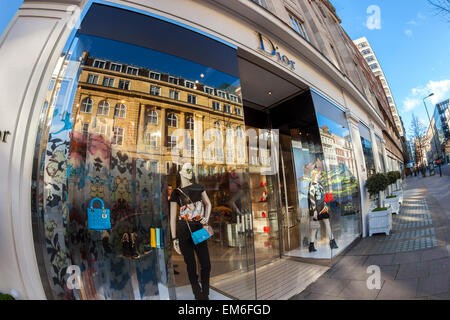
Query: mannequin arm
[[207, 203], [173, 219]]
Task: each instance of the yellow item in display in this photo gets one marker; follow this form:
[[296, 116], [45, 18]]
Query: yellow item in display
[[153, 237]]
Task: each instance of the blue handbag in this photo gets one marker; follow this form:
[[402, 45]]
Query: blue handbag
[[199, 235], [98, 219]]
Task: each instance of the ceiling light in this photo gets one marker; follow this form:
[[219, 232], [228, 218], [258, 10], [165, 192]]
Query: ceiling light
[[202, 75], [269, 93]]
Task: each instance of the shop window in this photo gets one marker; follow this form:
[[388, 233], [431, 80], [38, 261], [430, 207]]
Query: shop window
[[92, 78], [124, 84], [120, 111], [103, 108], [172, 120], [366, 142], [118, 136], [115, 67], [155, 91], [133, 71], [86, 105]]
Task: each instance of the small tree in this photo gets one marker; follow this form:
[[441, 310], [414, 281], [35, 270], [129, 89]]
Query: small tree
[[375, 184], [393, 176]]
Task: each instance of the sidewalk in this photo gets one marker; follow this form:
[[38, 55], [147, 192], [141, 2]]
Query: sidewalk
[[414, 260]]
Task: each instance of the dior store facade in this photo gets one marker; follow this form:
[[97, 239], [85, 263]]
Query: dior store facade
[[114, 106]]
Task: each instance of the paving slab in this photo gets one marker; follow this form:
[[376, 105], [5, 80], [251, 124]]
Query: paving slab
[[398, 290]]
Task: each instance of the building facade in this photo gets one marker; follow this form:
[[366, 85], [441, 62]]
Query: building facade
[[263, 98]]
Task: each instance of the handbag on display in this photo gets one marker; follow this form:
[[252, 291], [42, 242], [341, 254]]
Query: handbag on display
[[98, 219], [153, 237], [156, 238], [201, 234]]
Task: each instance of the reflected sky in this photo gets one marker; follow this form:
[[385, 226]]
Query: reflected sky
[[333, 127], [154, 60]]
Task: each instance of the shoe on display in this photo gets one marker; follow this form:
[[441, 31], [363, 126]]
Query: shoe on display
[[311, 247], [333, 244]]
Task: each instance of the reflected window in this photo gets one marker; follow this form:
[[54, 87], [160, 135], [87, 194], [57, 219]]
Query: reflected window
[[108, 82], [152, 117], [192, 99], [152, 140], [237, 111], [172, 142], [172, 120], [155, 75], [103, 108], [190, 123], [92, 78], [133, 71], [227, 108], [174, 94], [99, 64], [155, 91], [85, 130], [217, 125], [208, 90], [115, 67], [86, 105], [233, 98], [120, 111], [190, 145], [239, 132], [118, 135], [124, 84], [174, 80], [216, 105], [101, 129], [221, 94], [189, 84]]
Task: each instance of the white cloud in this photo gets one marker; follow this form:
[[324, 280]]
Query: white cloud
[[412, 23], [421, 16], [408, 32], [441, 90]]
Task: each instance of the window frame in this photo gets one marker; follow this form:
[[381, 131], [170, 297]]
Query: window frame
[[114, 136], [101, 105], [206, 89], [191, 96], [116, 64], [221, 91], [128, 82], [151, 115], [100, 61], [170, 118], [109, 78], [83, 104], [151, 91], [134, 68], [190, 83], [96, 76], [118, 112], [155, 73], [218, 103], [177, 94], [175, 78], [190, 123]]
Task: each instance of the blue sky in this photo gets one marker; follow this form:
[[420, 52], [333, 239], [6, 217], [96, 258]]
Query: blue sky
[[412, 45]]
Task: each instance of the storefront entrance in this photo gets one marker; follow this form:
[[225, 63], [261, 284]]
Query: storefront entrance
[[126, 109]]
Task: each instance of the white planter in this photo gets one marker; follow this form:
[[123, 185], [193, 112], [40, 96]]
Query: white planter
[[399, 194], [380, 222], [394, 203]]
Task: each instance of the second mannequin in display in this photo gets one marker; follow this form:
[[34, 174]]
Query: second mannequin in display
[[195, 209], [318, 210]]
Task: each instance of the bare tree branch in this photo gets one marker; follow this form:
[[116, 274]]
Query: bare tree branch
[[442, 7]]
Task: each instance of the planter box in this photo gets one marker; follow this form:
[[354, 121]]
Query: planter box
[[380, 222], [399, 194], [394, 204]]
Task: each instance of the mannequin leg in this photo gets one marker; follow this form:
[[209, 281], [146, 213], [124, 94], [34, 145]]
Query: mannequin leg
[[312, 239], [205, 267], [187, 248], [328, 229]]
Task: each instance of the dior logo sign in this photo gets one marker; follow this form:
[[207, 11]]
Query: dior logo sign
[[4, 135], [269, 48]]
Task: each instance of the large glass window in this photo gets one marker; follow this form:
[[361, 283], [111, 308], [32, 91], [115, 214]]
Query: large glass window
[[366, 142], [84, 153]]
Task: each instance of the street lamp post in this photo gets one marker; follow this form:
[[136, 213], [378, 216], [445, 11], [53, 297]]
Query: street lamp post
[[434, 133]]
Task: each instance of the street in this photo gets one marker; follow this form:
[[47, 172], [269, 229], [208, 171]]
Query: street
[[414, 259]]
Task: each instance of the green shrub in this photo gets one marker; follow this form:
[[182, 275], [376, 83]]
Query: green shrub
[[376, 183], [6, 297], [379, 209], [393, 176]]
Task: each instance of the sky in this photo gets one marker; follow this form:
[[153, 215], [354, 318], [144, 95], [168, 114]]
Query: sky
[[412, 44]]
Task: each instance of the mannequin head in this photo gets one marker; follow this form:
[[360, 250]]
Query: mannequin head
[[186, 174], [315, 175]]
